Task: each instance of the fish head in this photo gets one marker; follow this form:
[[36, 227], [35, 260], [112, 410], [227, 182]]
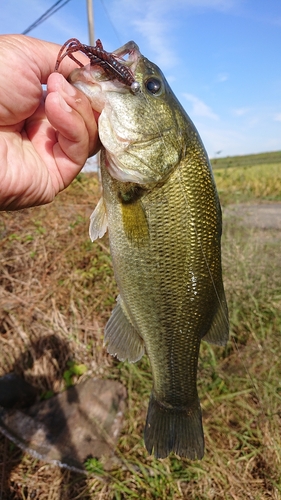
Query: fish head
[[140, 126]]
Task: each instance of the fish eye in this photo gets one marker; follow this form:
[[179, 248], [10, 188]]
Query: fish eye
[[153, 85]]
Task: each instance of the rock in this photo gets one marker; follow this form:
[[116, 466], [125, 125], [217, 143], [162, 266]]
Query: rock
[[82, 422]]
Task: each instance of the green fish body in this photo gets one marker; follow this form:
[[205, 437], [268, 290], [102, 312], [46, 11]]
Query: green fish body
[[163, 216]]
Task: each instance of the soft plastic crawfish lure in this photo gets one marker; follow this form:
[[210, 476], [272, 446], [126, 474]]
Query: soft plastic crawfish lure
[[110, 62]]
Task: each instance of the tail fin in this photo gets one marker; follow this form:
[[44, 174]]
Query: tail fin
[[174, 429]]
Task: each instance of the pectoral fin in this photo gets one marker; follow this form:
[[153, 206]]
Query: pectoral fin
[[98, 221], [219, 331], [121, 338]]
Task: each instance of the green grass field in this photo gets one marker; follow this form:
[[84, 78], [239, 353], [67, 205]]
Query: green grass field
[[273, 157], [56, 284], [248, 178]]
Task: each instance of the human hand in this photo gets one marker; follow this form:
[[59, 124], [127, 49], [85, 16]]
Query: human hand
[[44, 143]]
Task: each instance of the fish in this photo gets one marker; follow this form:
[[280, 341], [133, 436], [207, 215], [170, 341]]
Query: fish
[[161, 209]]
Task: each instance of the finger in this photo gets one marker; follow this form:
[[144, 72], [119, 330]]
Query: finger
[[44, 56], [79, 103], [70, 113]]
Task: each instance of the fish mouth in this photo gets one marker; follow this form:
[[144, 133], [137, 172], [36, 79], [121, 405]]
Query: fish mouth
[[94, 73], [93, 80], [132, 50]]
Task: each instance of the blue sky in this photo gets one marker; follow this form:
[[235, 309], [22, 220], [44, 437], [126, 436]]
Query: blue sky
[[222, 58]]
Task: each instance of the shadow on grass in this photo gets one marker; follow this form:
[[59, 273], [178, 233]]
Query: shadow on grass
[[19, 428]]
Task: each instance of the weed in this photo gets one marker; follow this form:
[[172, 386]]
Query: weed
[[247, 183], [55, 304], [73, 370], [94, 466]]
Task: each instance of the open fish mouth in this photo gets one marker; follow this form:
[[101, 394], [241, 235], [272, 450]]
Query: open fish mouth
[[105, 65], [132, 50]]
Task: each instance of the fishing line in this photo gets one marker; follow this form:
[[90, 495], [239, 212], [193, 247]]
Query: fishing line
[[255, 388], [248, 373], [54, 8], [111, 22], [232, 338], [161, 136], [193, 221], [220, 302], [202, 250]]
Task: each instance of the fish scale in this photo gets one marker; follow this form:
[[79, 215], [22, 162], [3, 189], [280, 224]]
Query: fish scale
[[160, 269], [162, 213]]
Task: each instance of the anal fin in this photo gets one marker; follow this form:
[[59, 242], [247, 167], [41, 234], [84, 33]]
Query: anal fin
[[219, 331], [121, 338]]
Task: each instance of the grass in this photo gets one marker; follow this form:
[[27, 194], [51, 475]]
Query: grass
[[56, 293], [261, 182], [247, 160]]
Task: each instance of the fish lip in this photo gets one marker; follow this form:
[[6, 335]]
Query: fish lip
[[94, 75], [133, 51]]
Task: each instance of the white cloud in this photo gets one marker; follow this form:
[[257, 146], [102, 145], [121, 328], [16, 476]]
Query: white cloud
[[141, 6], [240, 111], [150, 20], [222, 77], [154, 30], [156, 21], [170, 78], [210, 4], [277, 117], [231, 138], [199, 108], [225, 139]]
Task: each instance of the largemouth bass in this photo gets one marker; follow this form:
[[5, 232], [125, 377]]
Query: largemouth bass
[[163, 216]]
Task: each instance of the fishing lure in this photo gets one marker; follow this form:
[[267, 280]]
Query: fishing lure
[[98, 56]]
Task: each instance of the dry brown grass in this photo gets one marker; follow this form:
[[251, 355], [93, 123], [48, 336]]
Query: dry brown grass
[[53, 310], [56, 293]]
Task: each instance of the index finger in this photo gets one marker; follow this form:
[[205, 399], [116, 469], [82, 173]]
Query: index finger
[[42, 55]]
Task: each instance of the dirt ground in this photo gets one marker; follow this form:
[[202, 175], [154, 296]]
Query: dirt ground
[[257, 215]]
